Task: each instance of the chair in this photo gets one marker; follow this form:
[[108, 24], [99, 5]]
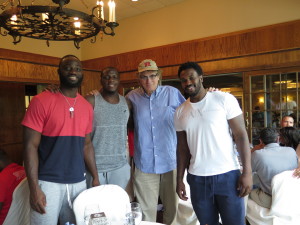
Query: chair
[[285, 200], [111, 199], [19, 211]]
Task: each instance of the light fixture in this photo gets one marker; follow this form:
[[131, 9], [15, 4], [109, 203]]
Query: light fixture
[[291, 85], [261, 99], [282, 82], [56, 23]]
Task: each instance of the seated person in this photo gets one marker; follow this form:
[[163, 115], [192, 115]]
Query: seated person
[[268, 162], [287, 121], [11, 174], [289, 136]]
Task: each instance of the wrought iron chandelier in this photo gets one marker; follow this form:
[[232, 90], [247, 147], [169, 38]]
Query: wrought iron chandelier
[[56, 23]]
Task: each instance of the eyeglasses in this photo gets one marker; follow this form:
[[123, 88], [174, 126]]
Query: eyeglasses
[[151, 77]]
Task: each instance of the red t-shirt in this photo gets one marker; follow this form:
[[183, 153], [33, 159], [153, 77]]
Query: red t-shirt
[[10, 177], [60, 151]]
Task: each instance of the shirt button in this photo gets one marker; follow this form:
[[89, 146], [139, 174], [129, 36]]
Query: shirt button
[[153, 127], [155, 155], [152, 117]]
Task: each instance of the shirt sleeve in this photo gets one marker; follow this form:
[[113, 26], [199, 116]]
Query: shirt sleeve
[[232, 107], [35, 115], [181, 99], [177, 123]]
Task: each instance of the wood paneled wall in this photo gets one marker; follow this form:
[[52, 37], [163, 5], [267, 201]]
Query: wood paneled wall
[[20, 71], [90, 82], [32, 68], [28, 57], [260, 48]]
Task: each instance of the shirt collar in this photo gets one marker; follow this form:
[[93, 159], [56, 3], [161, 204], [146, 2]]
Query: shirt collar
[[271, 145], [154, 93]]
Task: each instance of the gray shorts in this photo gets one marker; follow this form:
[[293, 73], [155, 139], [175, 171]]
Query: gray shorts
[[59, 198]]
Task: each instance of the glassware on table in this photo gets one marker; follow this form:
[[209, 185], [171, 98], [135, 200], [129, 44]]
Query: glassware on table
[[134, 217], [88, 211], [98, 219]]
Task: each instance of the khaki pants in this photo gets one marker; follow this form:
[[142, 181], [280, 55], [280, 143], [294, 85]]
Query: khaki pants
[[261, 198], [148, 187]]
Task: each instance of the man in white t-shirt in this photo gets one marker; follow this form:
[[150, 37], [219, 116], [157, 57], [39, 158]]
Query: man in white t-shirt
[[206, 125]]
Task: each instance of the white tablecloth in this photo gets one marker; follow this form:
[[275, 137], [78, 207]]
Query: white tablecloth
[[148, 223]]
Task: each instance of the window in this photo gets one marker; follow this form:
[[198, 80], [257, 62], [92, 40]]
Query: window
[[272, 97]]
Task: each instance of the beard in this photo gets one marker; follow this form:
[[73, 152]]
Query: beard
[[194, 93], [66, 82]]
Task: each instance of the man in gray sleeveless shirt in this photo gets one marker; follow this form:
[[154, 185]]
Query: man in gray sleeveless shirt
[[109, 134]]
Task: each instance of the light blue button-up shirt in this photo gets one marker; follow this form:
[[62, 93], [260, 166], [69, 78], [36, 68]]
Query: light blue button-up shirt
[[154, 133]]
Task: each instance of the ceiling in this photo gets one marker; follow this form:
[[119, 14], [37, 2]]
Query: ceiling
[[124, 8]]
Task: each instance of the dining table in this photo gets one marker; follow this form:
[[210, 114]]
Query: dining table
[[149, 223]]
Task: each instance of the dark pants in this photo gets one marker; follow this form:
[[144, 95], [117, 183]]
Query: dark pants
[[214, 195]]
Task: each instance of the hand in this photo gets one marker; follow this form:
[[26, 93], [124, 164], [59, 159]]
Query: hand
[[94, 92], [297, 173], [180, 189], [95, 182], [244, 184], [211, 89], [54, 88], [38, 201]]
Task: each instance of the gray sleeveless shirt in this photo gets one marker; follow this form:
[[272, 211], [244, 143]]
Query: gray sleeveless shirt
[[109, 134]]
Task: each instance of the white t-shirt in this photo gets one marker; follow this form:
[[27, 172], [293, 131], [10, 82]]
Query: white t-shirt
[[208, 133]]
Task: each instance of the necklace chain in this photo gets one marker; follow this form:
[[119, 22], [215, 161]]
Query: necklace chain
[[72, 108]]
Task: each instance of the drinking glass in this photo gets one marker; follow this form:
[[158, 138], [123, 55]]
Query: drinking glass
[[135, 216], [88, 211]]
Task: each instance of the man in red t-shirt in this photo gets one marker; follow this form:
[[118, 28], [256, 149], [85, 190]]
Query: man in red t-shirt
[[11, 174]]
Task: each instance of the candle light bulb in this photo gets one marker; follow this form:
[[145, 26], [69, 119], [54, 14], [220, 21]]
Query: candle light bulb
[[14, 19], [112, 6], [44, 16], [77, 25], [102, 9]]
